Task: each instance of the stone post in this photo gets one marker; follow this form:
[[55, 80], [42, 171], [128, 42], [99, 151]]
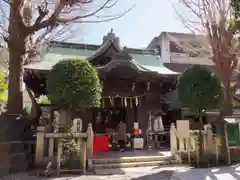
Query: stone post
[[205, 138], [83, 155], [40, 145], [173, 139], [59, 154], [210, 142], [89, 149]]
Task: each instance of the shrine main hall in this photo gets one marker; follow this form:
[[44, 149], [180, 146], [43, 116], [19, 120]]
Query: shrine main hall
[[135, 83]]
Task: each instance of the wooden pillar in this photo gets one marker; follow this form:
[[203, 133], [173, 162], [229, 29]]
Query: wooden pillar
[[135, 112], [94, 116]]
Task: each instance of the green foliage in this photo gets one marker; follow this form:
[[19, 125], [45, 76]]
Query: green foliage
[[74, 83], [3, 87], [44, 100], [70, 149], [236, 7], [198, 89]]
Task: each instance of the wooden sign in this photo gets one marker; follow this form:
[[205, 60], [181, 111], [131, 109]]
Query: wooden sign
[[233, 134], [183, 128]]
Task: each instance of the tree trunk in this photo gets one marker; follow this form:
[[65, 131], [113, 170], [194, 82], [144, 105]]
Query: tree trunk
[[15, 98], [17, 49], [226, 110], [225, 74], [64, 118], [227, 104]]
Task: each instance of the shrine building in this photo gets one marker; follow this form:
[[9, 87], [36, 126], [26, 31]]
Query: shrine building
[[135, 82]]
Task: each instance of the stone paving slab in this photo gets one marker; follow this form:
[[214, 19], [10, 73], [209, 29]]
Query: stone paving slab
[[221, 173], [149, 173], [141, 173]]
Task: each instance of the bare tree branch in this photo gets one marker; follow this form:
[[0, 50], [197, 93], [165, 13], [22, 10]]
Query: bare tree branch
[[55, 19], [97, 21], [214, 19]]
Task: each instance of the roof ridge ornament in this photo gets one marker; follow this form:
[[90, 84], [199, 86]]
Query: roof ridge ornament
[[111, 36], [156, 52]]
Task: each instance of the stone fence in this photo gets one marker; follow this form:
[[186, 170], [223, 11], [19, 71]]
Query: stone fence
[[190, 145], [49, 147]]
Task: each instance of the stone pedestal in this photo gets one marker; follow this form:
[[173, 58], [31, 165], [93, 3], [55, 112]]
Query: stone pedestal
[[14, 132]]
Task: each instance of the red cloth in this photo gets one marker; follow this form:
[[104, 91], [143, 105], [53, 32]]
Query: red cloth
[[100, 143]]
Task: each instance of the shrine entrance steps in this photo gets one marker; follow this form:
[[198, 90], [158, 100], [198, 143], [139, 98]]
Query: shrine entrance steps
[[134, 158]]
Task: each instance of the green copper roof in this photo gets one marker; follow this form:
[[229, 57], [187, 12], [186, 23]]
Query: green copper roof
[[53, 55], [57, 53], [147, 61], [143, 60]]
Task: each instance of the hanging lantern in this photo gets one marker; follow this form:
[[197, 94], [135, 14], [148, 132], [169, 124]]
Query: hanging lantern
[[125, 102], [136, 101]]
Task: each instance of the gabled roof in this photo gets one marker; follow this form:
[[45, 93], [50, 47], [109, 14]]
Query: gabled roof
[[108, 41], [139, 59]]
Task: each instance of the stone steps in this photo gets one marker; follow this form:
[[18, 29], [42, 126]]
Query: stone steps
[[134, 161], [130, 159], [132, 164]]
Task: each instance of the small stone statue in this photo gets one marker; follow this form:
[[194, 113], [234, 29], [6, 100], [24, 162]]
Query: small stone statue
[[158, 124], [77, 125]]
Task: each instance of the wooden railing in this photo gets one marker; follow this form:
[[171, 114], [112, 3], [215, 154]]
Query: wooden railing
[[49, 147]]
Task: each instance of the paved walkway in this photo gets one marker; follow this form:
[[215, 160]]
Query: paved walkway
[[140, 173], [150, 173], [222, 173]]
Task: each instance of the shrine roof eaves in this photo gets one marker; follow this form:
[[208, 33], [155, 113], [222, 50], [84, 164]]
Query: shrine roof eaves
[[95, 47], [143, 60]]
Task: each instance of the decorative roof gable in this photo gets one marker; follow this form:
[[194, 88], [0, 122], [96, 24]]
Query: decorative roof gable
[[110, 40]]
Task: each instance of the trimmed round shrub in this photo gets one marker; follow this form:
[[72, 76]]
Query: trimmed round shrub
[[74, 83], [199, 89]]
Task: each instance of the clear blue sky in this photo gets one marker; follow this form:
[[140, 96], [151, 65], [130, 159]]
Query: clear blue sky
[[136, 29]]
